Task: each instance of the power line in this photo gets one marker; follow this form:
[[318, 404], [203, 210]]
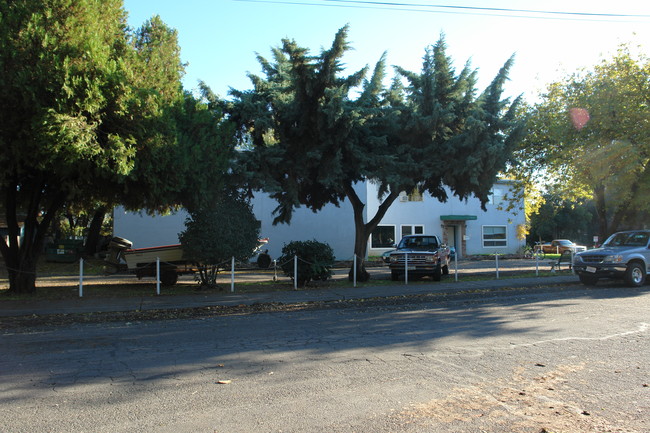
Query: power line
[[478, 8], [460, 10]]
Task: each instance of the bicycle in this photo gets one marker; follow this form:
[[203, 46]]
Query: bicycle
[[527, 252]]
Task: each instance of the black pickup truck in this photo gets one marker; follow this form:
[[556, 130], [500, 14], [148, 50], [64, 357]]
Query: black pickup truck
[[419, 255]]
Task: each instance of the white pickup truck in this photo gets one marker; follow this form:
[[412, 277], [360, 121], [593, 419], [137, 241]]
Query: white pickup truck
[[624, 255]]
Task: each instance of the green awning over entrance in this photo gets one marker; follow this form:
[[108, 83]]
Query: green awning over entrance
[[458, 217]]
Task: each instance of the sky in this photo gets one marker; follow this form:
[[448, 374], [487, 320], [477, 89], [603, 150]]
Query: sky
[[220, 39]]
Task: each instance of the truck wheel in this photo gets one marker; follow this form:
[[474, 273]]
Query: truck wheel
[[168, 277], [394, 276], [588, 280], [437, 274], [635, 274]]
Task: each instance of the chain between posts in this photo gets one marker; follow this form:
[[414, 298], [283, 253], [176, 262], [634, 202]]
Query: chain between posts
[[160, 266]]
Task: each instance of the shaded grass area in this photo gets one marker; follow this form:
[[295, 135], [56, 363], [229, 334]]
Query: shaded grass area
[[49, 269], [56, 281], [147, 287]]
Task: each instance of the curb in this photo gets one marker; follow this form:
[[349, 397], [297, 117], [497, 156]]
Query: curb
[[106, 305]]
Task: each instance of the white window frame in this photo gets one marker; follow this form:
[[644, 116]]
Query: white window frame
[[504, 240], [395, 240], [412, 227], [497, 195]]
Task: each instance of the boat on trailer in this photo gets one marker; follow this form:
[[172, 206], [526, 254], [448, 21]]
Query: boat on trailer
[[144, 261]]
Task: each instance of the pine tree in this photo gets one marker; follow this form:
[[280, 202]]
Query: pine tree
[[312, 140]]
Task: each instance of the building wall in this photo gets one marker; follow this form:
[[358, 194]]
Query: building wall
[[148, 231], [335, 225], [466, 235], [332, 225]]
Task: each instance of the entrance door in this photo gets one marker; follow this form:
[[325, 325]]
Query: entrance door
[[451, 234]]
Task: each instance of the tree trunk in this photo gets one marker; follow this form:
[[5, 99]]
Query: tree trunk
[[601, 213], [92, 238], [21, 253], [21, 256], [360, 249], [362, 230], [625, 209], [23, 278]]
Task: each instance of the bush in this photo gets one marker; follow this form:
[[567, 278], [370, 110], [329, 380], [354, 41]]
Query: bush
[[315, 260], [216, 232]]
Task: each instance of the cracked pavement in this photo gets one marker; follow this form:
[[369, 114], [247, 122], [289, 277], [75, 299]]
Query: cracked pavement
[[564, 361]]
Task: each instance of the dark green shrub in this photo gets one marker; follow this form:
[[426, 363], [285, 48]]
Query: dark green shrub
[[315, 260], [216, 232]]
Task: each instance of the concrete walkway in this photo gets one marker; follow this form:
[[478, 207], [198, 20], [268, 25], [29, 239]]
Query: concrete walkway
[[90, 305]]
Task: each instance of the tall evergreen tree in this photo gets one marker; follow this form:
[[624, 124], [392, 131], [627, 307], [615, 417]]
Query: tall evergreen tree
[[92, 113], [313, 140]]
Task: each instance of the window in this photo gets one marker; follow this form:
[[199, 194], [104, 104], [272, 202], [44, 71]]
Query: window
[[383, 237], [414, 195], [496, 196], [494, 236], [422, 243], [412, 230]]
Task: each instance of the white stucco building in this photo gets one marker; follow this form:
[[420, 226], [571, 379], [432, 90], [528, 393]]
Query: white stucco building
[[462, 224]]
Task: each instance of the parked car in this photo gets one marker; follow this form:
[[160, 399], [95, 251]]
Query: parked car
[[419, 255], [624, 255], [558, 246]]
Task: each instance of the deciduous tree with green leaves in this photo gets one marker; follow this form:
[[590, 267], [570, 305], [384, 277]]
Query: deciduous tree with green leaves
[[559, 218], [588, 138], [316, 133]]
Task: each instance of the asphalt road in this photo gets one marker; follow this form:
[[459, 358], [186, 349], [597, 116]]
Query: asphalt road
[[569, 360]]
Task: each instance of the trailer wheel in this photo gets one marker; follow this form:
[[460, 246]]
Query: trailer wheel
[[168, 277], [263, 261]]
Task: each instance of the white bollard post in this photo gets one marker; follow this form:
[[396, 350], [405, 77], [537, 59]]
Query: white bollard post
[[406, 268], [232, 275], [295, 272], [81, 277], [537, 265], [456, 266], [496, 256], [275, 270], [354, 272], [157, 275]]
